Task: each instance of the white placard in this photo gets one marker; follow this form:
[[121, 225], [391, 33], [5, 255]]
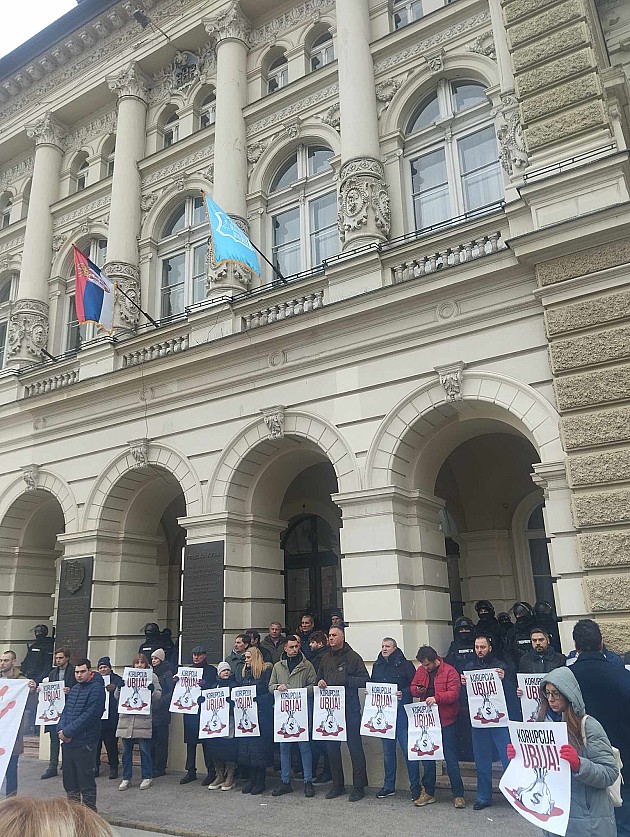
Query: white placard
[[290, 715], [187, 691], [529, 684], [537, 783], [106, 681], [380, 710], [486, 699], [329, 714], [424, 737], [135, 697], [13, 695], [51, 700], [245, 712], [214, 714]]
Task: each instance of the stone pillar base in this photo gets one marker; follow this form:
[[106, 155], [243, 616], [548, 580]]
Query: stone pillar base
[[28, 332], [364, 212], [127, 278]]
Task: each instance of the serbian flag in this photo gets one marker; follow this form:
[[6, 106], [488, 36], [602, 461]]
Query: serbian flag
[[95, 292], [229, 243]]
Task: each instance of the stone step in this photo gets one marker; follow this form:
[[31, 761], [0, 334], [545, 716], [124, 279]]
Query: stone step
[[469, 776]]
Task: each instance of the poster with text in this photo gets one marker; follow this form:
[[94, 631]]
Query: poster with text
[[537, 782], [290, 715], [13, 695], [135, 697], [187, 691], [424, 738], [214, 715], [529, 684], [486, 699], [329, 714], [245, 712], [380, 710], [106, 681], [51, 700]]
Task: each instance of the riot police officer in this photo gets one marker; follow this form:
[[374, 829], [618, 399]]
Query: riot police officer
[[518, 640], [505, 623], [461, 652], [39, 658], [488, 625], [545, 617], [153, 640]]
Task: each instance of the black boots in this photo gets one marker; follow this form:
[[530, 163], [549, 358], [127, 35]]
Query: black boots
[[259, 780]]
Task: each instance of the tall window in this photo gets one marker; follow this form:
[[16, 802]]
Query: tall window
[[96, 250], [171, 130], [303, 204], [8, 291], [208, 112], [82, 176], [110, 161], [539, 556], [5, 212], [183, 251], [277, 74], [322, 51], [452, 153], [406, 11]]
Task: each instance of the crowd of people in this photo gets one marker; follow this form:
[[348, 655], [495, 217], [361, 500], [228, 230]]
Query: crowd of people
[[589, 690]]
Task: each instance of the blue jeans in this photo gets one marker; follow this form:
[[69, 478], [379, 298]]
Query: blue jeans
[[389, 755], [146, 766], [482, 740], [11, 776], [449, 745], [285, 761]]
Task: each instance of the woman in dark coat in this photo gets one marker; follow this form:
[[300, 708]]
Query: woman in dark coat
[[257, 752]]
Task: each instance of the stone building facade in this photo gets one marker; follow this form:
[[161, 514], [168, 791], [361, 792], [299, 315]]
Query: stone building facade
[[431, 407]]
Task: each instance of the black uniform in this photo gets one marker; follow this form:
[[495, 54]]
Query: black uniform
[[505, 623], [518, 640], [153, 640], [39, 657], [545, 618], [461, 652], [488, 625]]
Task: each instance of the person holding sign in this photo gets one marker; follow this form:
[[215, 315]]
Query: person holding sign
[[10, 671], [589, 754], [495, 730], [438, 684], [136, 728], [160, 716], [340, 665], [294, 671], [256, 752], [109, 724], [63, 670], [206, 675], [541, 658]]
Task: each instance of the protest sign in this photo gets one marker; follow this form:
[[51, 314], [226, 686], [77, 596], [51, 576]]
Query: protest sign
[[486, 699], [424, 738], [51, 700], [135, 697], [214, 716], [529, 684], [290, 715], [187, 691], [245, 712], [13, 695], [106, 681], [537, 782], [380, 710], [329, 714]]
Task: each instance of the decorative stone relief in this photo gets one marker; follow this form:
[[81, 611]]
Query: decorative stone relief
[[364, 211], [28, 330], [105, 124], [30, 475], [127, 277], [16, 172], [512, 150], [208, 172], [58, 242], [231, 23], [385, 92], [483, 45], [47, 131], [90, 208], [309, 11], [147, 201], [435, 61], [130, 81], [296, 107], [293, 128], [254, 153], [332, 117], [186, 69], [139, 449], [451, 380], [190, 162], [274, 421]]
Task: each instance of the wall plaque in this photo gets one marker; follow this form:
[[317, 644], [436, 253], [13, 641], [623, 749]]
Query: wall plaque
[[73, 610], [202, 606]]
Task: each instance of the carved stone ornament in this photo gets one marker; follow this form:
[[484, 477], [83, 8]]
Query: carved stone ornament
[[47, 131], [130, 82], [139, 450], [58, 241], [332, 117], [435, 61], [30, 474], [147, 201], [385, 92], [293, 128], [451, 380], [231, 23], [364, 211], [127, 277], [186, 69], [483, 45], [28, 329], [512, 149], [274, 421], [74, 576]]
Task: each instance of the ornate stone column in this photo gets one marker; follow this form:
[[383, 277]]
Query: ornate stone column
[[125, 212], [28, 328], [230, 30], [364, 214]]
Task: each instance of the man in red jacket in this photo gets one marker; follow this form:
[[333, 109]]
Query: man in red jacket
[[438, 683]]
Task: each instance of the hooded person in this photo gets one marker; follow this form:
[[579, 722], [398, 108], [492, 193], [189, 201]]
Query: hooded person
[[461, 652], [589, 753], [39, 658], [518, 640], [152, 639], [505, 623], [487, 624]]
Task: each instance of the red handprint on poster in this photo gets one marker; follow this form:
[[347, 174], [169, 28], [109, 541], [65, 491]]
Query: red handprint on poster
[[13, 696]]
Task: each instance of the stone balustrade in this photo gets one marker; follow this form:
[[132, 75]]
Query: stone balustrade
[[156, 350], [284, 310], [50, 383], [456, 254]]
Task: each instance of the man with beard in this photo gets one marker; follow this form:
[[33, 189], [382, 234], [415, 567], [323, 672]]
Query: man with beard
[[541, 658]]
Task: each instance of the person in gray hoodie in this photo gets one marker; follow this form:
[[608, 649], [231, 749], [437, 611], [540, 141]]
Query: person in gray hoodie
[[589, 753]]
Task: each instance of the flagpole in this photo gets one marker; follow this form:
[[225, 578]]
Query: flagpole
[[135, 304], [271, 264]]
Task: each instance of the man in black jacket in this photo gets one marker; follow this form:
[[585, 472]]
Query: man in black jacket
[[208, 680], [63, 670], [341, 666], [109, 725], [541, 658], [461, 651], [160, 714], [517, 641]]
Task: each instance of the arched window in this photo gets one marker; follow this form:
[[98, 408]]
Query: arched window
[[303, 207], [452, 154], [208, 113], [183, 252], [107, 157], [6, 205], [322, 51], [277, 74], [171, 130], [96, 250], [82, 176], [406, 11], [8, 292], [539, 556]]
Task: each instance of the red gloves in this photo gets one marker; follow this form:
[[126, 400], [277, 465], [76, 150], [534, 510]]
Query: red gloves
[[569, 753], [511, 752]]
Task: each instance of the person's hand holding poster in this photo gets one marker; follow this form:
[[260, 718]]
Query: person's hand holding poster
[[214, 716], [13, 695], [106, 681], [245, 712], [135, 696], [529, 694], [424, 737], [290, 715], [187, 691], [380, 710], [486, 699], [329, 714], [537, 782], [51, 700]]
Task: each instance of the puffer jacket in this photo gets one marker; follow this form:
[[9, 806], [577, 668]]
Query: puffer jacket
[[302, 676], [592, 813], [344, 667], [447, 685], [395, 669], [81, 716], [139, 726]]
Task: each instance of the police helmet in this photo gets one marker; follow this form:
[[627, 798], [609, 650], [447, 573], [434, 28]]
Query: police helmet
[[503, 618], [484, 606], [151, 628], [543, 609], [463, 625], [40, 630], [521, 609]]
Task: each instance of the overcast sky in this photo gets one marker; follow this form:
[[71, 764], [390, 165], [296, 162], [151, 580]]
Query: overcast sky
[[21, 19]]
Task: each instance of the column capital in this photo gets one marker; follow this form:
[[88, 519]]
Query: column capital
[[130, 82], [229, 25], [47, 131]]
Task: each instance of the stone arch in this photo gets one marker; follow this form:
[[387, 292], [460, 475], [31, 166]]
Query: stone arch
[[64, 260], [18, 492], [393, 454], [120, 473], [244, 456], [166, 203]]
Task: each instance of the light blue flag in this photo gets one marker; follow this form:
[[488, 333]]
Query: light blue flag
[[229, 243]]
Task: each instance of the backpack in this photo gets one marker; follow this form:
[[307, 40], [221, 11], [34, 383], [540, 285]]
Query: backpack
[[614, 790]]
